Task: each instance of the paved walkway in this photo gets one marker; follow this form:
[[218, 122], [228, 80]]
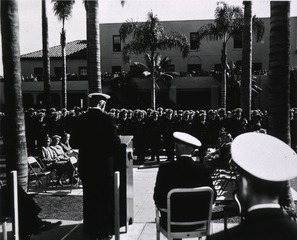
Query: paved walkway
[[143, 227]]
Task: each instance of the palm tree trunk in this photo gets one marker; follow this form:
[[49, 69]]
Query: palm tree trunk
[[279, 85], [246, 84], [46, 60], [224, 76], [14, 130], [153, 90], [93, 39], [64, 76]]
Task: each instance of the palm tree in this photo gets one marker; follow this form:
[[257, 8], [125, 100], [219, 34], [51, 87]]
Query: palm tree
[[63, 9], [46, 60], [160, 67], [235, 86], [14, 130], [246, 86], [149, 37], [93, 41], [228, 24], [279, 85]]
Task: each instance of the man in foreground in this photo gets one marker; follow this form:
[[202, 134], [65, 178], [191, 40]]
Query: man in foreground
[[182, 173], [29, 221], [98, 144], [264, 165]]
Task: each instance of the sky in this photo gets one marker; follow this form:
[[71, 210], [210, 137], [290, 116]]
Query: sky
[[111, 11]]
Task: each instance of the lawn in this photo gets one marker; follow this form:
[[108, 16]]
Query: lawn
[[71, 207], [60, 207]]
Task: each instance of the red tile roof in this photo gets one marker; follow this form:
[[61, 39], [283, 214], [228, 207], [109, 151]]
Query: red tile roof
[[73, 49]]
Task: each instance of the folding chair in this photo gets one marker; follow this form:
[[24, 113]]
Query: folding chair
[[3, 217], [75, 174], [188, 213], [223, 177], [37, 173]]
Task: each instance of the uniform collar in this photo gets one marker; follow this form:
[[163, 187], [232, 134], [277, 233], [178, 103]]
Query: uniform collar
[[263, 205], [186, 155]]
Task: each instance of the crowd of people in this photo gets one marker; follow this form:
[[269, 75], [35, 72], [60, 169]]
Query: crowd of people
[[180, 132], [152, 129]]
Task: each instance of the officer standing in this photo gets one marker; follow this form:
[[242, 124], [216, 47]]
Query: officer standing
[[98, 144], [264, 165]]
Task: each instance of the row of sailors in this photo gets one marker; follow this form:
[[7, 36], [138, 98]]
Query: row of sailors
[[61, 117], [150, 124]]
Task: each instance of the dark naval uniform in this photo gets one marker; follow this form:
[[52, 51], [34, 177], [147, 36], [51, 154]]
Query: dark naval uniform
[[182, 173], [98, 144], [264, 163], [261, 224]]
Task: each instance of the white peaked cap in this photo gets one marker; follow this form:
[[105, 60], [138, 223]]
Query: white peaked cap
[[186, 138], [99, 96], [264, 157]]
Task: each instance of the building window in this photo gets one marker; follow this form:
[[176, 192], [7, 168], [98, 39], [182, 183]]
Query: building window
[[257, 68], [116, 69], [116, 43], [38, 74], [83, 73], [218, 67], [170, 68], [194, 69], [58, 71], [237, 42], [194, 41]]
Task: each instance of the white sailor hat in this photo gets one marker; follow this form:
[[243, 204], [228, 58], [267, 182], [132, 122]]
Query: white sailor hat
[[186, 138], [56, 136], [99, 96], [264, 156]]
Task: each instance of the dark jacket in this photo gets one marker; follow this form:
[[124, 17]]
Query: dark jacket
[[182, 173], [261, 224], [98, 149], [98, 142]]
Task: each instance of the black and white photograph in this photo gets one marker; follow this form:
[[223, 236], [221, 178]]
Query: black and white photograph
[[148, 120]]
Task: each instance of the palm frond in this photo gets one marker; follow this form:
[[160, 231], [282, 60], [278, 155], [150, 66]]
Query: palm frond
[[166, 76], [127, 29], [257, 88], [210, 32], [175, 40], [63, 9], [133, 47], [148, 60], [228, 19], [149, 37], [157, 59], [146, 73], [165, 62], [258, 28], [141, 66]]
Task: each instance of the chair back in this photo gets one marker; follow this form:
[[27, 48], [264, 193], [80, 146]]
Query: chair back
[[31, 160], [35, 165], [73, 160], [189, 212]]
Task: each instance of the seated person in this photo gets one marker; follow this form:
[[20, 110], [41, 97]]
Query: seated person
[[182, 173], [65, 144], [220, 157], [58, 149], [51, 161], [264, 165]]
